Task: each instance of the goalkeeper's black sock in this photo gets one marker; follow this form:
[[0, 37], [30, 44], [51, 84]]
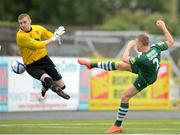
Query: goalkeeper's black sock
[[63, 87], [122, 111], [104, 65]]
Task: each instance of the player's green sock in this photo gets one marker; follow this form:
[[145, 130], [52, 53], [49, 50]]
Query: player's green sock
[[104, 65], [123, 109]]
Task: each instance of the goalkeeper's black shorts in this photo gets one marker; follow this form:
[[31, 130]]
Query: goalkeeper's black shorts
[[44, 65]]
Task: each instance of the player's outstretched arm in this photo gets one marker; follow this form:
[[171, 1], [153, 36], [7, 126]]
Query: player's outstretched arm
[[167, 34], [130, 45], [56, 36]]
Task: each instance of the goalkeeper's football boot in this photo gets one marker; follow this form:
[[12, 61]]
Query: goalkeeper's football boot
[[60, 92], [44, 89], [43, 92], [84, 62], [114, 129]]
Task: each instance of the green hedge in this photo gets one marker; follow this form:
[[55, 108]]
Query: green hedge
[[140, 20]]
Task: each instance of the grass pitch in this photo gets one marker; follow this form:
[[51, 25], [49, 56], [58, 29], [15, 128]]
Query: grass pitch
[[89, 126]]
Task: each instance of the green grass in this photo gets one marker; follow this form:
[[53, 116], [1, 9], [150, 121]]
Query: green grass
[[89, 126]]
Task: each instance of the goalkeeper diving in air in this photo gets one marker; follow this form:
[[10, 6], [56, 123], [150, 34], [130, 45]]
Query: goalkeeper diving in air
[[146, 66], [32, 41]]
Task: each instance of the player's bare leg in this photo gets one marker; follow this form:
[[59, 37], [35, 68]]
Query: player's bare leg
[[60, 86], [106, 65], [123, 109], [48, 82], [60, 83]]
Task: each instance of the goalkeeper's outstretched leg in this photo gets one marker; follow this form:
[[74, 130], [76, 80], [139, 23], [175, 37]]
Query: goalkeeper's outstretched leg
[[56, 86]]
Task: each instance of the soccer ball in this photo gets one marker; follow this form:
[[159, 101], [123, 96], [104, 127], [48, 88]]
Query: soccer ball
[[18, 67]]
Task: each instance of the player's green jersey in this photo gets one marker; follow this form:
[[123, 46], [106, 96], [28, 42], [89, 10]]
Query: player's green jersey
[[147, 64]]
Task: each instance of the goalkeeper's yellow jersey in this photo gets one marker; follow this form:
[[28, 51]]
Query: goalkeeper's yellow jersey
[[30, 44]]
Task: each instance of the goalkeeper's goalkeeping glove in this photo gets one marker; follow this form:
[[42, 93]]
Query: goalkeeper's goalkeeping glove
[[58, 33]]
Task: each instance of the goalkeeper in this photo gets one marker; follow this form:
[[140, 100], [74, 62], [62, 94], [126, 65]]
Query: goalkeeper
[[32, 41]]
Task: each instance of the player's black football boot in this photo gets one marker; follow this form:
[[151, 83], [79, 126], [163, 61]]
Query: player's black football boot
[[43, 93], [60, 92], [44, 89]]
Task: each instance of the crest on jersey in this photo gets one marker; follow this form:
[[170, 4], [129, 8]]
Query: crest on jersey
[[36, 31]]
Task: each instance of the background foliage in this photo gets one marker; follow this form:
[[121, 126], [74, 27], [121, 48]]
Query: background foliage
[[103, 14]]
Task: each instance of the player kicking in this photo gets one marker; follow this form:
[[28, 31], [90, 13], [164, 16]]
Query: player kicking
[[32, 41], [146, 66]]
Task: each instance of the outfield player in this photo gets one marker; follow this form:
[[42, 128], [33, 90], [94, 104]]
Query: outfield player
[[32, 41], [146, 66]]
